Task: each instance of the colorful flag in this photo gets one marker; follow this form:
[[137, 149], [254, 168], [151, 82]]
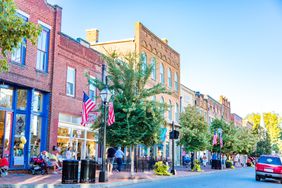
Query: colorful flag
[[87, 106], [214, 141], [220, 140], [111, 115]]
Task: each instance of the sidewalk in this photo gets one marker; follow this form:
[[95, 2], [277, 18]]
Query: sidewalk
[[117, 179]]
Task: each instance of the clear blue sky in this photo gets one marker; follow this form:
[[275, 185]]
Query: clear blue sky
[[231, 48]]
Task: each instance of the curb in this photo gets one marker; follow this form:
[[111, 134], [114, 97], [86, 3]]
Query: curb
[[114, 184]]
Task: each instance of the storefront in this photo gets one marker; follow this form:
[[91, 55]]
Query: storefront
[[81, 140], [23, 124]]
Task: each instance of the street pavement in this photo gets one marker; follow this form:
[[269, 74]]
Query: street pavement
[[238, 178]]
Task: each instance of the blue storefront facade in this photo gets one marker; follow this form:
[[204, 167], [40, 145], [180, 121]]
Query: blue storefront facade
[[24, 116]]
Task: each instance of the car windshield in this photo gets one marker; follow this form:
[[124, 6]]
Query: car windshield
[[270, 160]]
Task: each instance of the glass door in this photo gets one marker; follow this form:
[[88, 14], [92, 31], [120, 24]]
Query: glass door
[[19, 140], [5, 133]]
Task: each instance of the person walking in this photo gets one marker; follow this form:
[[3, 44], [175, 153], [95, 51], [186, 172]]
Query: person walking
[[119, 155], [110, 159], [205, 160]]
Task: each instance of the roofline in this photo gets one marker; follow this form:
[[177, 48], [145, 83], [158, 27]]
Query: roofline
[[159, 39], [112, 41], [181, 85], [74, 40]]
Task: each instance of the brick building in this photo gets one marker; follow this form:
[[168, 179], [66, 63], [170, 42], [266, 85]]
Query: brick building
[[43, 90], [152, 50], [236, 119]]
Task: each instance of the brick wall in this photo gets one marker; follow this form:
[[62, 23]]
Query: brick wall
[[84, 60], [27, 75]]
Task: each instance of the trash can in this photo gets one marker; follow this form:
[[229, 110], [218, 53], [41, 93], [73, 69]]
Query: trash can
[[70, 171], [87, 171]]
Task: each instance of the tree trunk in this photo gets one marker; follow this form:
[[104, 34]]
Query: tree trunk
[[132, 174]]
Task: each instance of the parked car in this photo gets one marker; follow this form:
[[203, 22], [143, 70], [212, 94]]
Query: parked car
[[269, 166]]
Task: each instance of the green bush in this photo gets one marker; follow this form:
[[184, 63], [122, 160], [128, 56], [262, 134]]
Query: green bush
[[161, 169], [197, 166], [229, 164]]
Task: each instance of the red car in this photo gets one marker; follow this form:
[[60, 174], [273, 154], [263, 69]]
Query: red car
[[269, 166]]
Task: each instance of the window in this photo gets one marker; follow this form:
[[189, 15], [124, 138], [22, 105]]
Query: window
[[21, 99], [153, 63], [176, 113], [92, 91], [37, 101], [42, 50], [18, 54], [170, 111], [169, 78], [154, 98], [35, 135], [143, 61], [163, 101], [176, 82], [162, 74], [70, 81]]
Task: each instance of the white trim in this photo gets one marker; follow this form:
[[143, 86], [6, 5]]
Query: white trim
[[44, 24], [22, 13]]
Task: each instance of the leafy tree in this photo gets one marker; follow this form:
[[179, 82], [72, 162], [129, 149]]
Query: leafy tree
[[263, 146], [138, 119], [228, 137], [245, 141], [194, 131], [272, 125], [255, 120], [12, 30]]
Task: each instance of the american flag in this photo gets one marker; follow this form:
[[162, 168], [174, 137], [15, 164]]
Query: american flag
[[111, 115], [87, 106], [220, 140], [214, 141]]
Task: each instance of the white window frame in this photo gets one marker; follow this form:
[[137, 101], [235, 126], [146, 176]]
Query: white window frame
[[70, 81]]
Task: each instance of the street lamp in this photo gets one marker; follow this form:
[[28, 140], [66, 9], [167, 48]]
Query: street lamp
[[219, 130], [105, 95]]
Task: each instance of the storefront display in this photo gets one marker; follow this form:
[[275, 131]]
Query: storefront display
[[23, 119], [81, 139]]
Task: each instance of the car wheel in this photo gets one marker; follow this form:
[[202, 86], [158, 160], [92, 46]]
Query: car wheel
[[257, 178]]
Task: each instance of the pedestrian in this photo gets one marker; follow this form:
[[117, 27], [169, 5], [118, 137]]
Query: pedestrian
[[110, 159], [119, 155], [205, 160], [69, 153]]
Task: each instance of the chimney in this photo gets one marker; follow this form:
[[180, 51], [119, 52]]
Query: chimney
[[92, 35], [165, 40]]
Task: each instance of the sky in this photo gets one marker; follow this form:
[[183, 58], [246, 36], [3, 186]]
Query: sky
[[231, 48]]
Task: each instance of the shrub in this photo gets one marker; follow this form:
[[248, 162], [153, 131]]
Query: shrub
[[161, 169], [197, 166]]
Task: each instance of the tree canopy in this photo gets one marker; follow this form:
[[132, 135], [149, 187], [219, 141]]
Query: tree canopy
[[194, 130], [12, 31], [138, 118]]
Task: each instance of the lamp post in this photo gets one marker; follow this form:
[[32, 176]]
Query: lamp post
[[105, 95], [219, 130], [172, 169]]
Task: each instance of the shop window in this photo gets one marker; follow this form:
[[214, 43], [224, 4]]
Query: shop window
[[90, 135], [20, 140], [21, 99], [78, 133], [42, 50], [90, 149], [62, 131], [37, 101], [69, 119], [70, 81], [6, 96], [35, 136]]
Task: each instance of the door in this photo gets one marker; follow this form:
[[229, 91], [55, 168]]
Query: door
[[5, 133], [19, 142]]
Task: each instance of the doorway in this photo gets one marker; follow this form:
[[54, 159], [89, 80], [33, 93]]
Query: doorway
[[5, 133]]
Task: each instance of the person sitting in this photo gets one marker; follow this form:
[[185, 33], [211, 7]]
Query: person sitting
[[4, 166]]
